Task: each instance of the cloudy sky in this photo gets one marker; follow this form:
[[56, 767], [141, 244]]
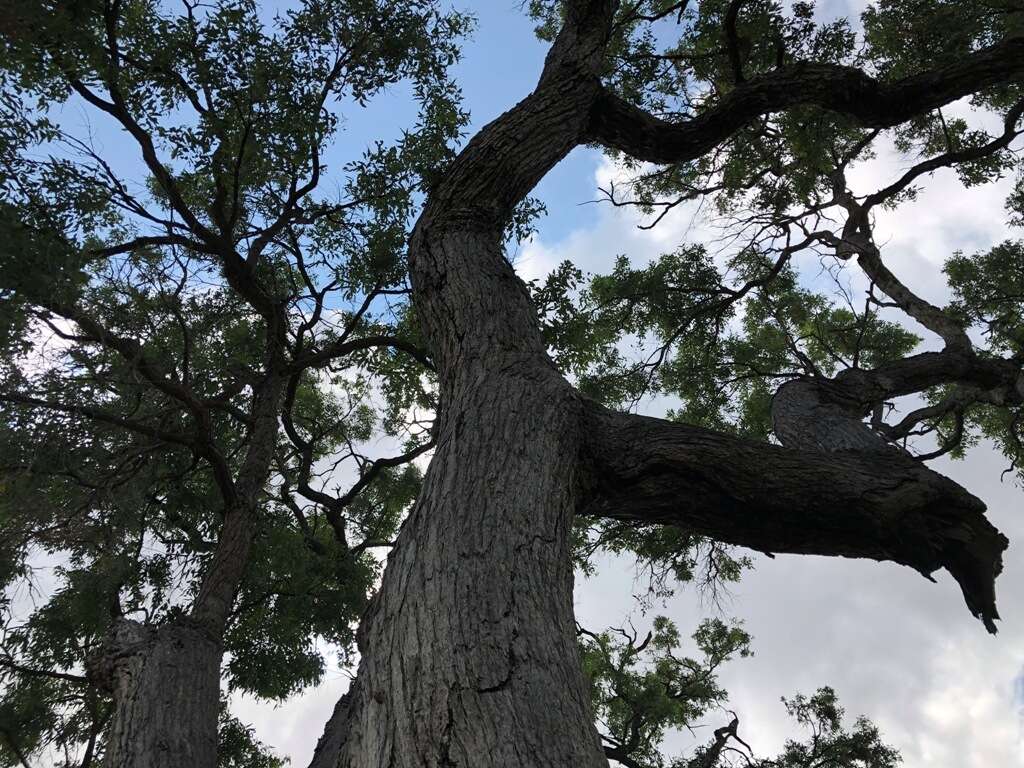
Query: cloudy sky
[[897, 648]]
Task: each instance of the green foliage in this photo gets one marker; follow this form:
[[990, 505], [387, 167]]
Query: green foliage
[[673, 328], [988, 293], [642, 688], [988, 297], [133, 294], [238, 747], [831, 743]]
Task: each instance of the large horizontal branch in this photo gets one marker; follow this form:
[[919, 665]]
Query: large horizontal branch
[[617, 124], [775, 499]]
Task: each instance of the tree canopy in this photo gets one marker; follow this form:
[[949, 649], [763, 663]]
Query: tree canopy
[[217, 392]]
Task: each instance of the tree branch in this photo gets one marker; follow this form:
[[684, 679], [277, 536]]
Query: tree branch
[[773, 499], [48, 673], [732, 40], [617, 124], [326, 355]]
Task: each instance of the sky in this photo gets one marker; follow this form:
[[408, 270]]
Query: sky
[[895, 647]]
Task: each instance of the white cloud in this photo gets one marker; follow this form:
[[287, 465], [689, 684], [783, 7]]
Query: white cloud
[[896, 648], [613, 231]]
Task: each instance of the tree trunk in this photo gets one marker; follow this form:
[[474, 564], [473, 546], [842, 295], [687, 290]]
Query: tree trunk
[[165, 682], [469, 651], [469, 654]]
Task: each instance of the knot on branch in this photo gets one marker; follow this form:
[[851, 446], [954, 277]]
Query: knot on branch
[[822, 415], [121, 655], [938, 523]]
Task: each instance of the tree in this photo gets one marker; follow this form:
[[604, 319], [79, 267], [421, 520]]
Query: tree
[[193, 319], [759, 109]]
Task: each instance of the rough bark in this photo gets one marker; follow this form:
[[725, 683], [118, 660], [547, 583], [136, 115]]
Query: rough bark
[[332, 741], [469, 651], [165, 682], [814, 415], [848, 503], [827, 414]]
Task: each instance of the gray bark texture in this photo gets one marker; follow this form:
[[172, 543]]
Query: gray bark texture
[[165, 682]]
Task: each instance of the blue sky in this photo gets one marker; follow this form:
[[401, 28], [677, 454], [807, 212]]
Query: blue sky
[[500, 66], [501, 62]]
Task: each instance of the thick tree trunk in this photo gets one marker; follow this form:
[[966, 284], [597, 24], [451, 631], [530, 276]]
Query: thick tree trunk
[[165, 682], [469, 651], [471, 656]]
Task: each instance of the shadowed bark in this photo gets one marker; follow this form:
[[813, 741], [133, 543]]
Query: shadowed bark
[[165, 680], [617, 124], [165, 683]]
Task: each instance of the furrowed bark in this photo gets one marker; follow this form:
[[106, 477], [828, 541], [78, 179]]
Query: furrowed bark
[[165, 682], [332, 741], [775, 499], [469, 651], [469, 654]]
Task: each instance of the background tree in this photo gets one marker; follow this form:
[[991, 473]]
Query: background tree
[[160, 331], [758, 108]]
